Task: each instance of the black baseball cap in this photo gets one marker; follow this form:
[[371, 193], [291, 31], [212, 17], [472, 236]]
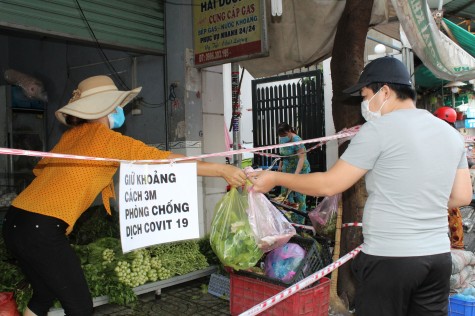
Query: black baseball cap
[[384, 70]]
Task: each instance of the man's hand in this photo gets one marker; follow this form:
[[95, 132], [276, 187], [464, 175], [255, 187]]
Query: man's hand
[[263, 181]]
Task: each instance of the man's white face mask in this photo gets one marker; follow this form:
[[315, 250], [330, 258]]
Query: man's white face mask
[[367, 113]]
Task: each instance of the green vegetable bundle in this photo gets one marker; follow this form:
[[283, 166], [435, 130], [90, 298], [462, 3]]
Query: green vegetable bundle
[[328, 230], [232, 238], [13, 280], [110, 272], [180, 257]]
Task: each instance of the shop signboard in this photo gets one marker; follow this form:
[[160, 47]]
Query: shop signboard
[[228, 31], [158, 203]]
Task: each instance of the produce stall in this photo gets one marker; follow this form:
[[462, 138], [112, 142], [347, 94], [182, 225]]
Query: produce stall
[[112, 276]]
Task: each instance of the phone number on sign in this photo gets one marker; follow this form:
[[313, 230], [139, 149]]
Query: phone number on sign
[[224, 53]]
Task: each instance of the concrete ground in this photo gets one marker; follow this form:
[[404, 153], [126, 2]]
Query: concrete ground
[[186, 299]]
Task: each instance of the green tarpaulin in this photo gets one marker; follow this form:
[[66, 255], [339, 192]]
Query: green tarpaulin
[[424, 78]]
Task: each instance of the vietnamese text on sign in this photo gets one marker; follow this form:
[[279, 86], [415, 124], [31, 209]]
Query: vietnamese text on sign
[[153, 208]]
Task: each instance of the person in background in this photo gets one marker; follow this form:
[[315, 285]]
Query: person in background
[[294, 161], [36, 225], [415, 167], [449, 115]]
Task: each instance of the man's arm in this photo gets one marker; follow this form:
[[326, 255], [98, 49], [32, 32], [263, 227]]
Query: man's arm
[[462, 191], [336, 180]]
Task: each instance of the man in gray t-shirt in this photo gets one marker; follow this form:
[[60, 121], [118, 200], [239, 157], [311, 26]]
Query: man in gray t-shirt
[[411, 157], [415, 168]]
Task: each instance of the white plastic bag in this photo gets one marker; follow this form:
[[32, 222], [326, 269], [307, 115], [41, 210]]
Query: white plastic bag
[[270, 227]]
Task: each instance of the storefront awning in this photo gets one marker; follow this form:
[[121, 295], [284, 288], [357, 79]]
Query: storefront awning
[[424, 78], [465, 39]]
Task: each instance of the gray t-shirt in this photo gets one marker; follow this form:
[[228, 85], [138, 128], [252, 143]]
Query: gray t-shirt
[[411, 157]]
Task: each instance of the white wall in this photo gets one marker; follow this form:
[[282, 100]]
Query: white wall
[[332, 147], [213, 138]]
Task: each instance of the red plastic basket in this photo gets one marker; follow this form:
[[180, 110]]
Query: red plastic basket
[[248, 292]]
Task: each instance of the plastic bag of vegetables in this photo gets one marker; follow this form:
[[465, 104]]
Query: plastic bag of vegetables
[[231, 237], [271, 228], [323, 217]]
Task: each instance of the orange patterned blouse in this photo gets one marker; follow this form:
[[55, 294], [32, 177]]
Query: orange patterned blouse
[[65, 188]]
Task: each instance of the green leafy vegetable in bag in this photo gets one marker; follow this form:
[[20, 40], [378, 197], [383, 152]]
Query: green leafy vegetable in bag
[[232, 238]]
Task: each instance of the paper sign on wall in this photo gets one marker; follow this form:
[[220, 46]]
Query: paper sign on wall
[[157, 204]]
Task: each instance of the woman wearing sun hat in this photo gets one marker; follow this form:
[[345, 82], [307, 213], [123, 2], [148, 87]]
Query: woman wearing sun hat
[[39, 219]]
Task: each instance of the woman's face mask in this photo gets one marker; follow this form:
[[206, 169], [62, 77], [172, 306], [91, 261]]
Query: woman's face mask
[[116, 118], [285, 139], [367, 113]]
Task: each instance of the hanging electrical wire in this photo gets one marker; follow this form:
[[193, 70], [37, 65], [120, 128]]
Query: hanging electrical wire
[[111, 67], [104, 56], [172, 97]]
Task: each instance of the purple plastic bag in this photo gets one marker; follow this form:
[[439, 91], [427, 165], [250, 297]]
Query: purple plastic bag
[[282, 262]]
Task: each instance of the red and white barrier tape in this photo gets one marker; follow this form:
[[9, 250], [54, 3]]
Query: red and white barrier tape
[[259, 308], [22, 152], [345, 133], [288, 144], [352, 132], [352, 224], [340, 135]]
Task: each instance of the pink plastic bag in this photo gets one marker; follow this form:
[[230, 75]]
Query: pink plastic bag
[[323, 217], [271, 228]]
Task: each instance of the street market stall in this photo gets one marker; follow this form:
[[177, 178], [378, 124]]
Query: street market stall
[[114, 277]]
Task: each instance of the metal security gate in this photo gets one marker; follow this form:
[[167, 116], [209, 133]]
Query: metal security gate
[[296, 99], [133, 25]]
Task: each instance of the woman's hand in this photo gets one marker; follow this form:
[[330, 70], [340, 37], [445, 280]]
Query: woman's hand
[[263, 181], [233, 175]]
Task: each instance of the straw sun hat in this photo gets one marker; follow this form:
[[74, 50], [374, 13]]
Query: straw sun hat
[[94, 98]]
